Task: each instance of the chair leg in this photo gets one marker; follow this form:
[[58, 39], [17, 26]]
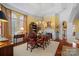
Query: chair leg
[[43, 47], [46, 44], [31, 49], [27, 46]]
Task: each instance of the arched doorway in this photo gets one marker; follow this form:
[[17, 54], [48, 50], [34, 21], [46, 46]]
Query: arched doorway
[[74, 20], [64, 24]]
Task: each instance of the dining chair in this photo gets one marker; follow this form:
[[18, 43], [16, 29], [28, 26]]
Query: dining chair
[[31, 44], [41, 42], [31, 41]]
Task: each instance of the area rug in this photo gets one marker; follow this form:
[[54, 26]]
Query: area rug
[[21, 50], [70, 51]]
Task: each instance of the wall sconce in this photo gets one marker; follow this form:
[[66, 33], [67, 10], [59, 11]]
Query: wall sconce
[[37, 23]]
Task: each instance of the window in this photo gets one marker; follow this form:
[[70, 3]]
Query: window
[[17, 22]]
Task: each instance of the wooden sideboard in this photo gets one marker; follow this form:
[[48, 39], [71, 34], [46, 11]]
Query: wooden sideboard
[[6, 48], [16, 37]]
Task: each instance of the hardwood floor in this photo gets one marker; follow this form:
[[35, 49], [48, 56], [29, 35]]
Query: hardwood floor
[[63, 43], [16, 44]]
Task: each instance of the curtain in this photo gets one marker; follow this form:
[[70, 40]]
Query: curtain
[[6, 26], [25, 24]]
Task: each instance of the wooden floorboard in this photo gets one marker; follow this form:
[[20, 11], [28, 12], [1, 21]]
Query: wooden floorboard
[[61, 44], [59, 49]]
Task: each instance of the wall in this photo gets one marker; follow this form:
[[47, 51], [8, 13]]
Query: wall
[[65, 16], [44, 22], [76, 23], [32, 19], [53, 21], [29, 20], [5, 25]]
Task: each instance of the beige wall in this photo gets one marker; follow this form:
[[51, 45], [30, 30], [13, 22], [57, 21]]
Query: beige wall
[[29, 20], [76, 23], [53, 19]]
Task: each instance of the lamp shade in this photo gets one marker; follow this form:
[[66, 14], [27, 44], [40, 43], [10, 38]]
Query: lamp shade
[[3, 17]]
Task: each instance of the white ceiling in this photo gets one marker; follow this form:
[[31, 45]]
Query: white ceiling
[[39, 9]]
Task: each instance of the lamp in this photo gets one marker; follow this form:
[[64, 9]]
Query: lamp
[[2, 17], [22, 28]]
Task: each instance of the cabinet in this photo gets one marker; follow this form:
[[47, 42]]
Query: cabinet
[[19, 37], [6, 49], [33, 27]]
